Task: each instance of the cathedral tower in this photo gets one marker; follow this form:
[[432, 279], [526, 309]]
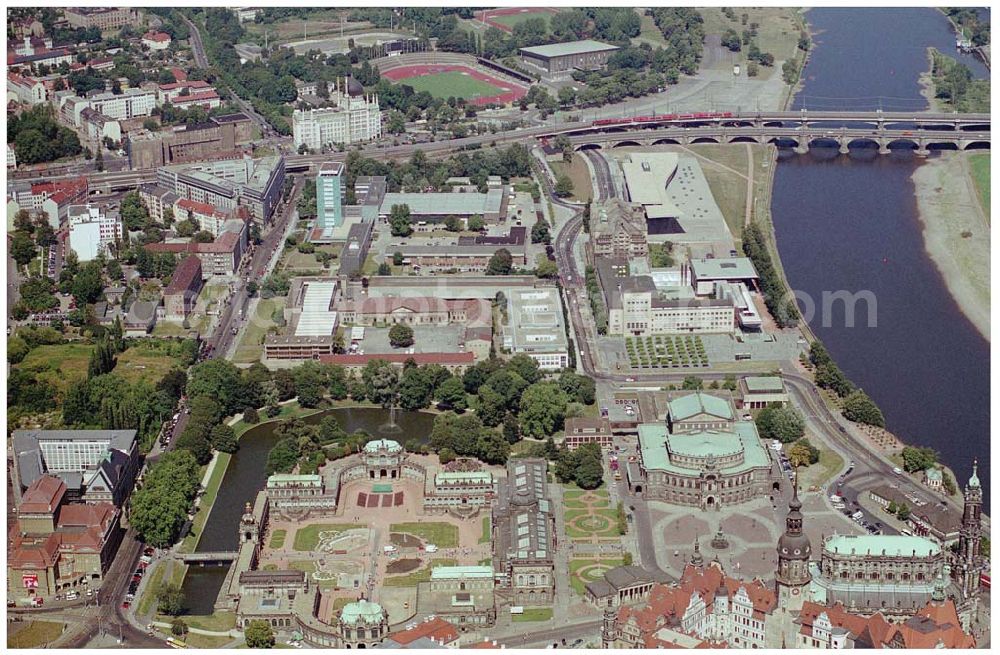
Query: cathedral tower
[[792, 577]]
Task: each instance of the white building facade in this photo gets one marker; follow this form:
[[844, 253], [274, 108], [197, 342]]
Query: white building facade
[[352, 119], [92, 230]]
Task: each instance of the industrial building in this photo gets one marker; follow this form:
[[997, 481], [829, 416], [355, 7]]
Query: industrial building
[[217, 138], [562, 57], [255, 184], [93, 229], [438, 206]]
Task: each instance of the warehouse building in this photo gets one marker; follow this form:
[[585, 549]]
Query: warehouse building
[[437, 206], [560, 57]]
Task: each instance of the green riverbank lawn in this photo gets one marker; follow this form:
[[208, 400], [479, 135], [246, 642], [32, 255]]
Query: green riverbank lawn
[[980, 165]]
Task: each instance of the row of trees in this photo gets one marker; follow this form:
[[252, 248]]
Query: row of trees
[[160, 508], [36, 136], [780, 303]]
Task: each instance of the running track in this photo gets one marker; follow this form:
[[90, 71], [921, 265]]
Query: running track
[[512, 92]]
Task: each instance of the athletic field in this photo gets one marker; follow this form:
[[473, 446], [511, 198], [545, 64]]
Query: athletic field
[[446, 80], [507, 17]]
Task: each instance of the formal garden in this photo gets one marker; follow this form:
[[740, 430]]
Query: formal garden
[[588, 516], [666, 351], [589, 569]]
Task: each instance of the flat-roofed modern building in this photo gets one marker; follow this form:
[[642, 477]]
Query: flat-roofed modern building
[[93, 229], [760, 391], [706, 273], [560, 57], [535, 327], [702, 456], [647, 175], [437, 206], [330, 195]]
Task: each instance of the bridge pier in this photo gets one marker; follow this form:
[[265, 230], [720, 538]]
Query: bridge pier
[[844, 150], [801, 150], [922, 152], [883, 149]]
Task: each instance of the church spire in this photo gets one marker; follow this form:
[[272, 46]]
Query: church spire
[[696, 558]]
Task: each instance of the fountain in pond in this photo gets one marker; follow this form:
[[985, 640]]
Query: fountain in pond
[[390, 427]]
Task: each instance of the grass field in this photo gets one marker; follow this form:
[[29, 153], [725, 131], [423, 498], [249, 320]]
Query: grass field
[[60, 365], [533, 614], [207, 641], [34, 634], [252, 344], [513, 20], [822, 471], [277, 539], [420, 575], [582, 571], [217, 622], [451, 83], [777, 32], [152, 586], [980, 165], [307, 538], [138, 363], [442, 535], [487, 531], [579, 174]]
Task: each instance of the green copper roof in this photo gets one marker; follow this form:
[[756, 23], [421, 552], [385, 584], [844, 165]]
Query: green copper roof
[[879, 545], [387, 444], [974, 480], [685, 407], [364, 611], [763, 384], [655, 446]]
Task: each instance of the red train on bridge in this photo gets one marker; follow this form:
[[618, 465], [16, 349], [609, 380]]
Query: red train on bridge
[[661, 117]]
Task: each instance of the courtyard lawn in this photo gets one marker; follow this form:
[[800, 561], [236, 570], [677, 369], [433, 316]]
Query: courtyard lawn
[[584, 524], [36, 634], [582, 571], [451, 83], [420, 575], [307, 538], [277, 539], [60, 365], [487, 531], [533, 614], [442, 535], [980, 165]]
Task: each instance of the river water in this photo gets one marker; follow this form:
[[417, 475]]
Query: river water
[[851, 223], [246, 475]]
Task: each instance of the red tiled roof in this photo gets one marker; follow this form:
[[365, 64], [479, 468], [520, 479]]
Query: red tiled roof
[[195, 97], [76, 515], [179, 84], [419, 358], [43, 496], [33, 553], [179, 74], [184, 276], [159, 37], [437, 629], [202, 208]]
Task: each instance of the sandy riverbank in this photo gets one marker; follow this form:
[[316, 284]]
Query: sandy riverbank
[[956, 234]]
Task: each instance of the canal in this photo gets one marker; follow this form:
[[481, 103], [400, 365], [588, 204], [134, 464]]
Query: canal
[[850, 223], [246, 475]]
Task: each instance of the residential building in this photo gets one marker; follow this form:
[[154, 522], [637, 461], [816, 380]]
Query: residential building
[[256, 184], [354, 117], [246, 14], [892, 574], [56, 546], [140, 318], [618, 230], [523, 535], [219, 257], [181, 294], [705, 609], [535, 327], [93, 229], [208, 217], [462, 595], [26, 90], [157, 200], [104, 18], [156, 40], [11, 157], [53, 199], [95, 465], [130, 103], [565, 57], [330, 195], [581, 430], [39, 56], [702, 456], [757, 392], [96, 126], [171, 91]]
